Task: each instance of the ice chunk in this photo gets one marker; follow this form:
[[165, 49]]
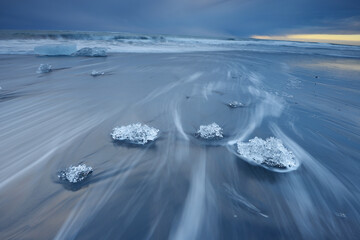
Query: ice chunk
[[44, 68], [96, 73], [135, 133], [91, 52], [210, 131], [270, 153], [235, 104], [340, 214], [55, 50], [74, 174]]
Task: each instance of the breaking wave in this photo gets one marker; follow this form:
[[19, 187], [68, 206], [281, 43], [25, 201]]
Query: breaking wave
[[16, 42]]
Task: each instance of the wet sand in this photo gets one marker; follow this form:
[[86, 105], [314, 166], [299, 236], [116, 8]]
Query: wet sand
[[179, 187]]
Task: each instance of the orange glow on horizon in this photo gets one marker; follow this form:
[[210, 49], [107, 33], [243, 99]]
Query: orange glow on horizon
[[353, 39]]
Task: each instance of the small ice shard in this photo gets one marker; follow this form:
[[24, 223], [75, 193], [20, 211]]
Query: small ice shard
[[340, 214], [210, 131], [91, 52], [270, 153], [74, 174], [96, 73], [55, 50], [44, 68], [135, 133], [235, 104]]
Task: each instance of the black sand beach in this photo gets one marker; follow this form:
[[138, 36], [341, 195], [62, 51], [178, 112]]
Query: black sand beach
[[179, 186]]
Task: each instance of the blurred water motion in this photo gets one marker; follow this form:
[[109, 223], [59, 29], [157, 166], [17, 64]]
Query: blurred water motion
[[178, 187]]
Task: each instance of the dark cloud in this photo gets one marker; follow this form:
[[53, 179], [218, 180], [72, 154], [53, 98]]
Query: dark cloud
[[202, 17]]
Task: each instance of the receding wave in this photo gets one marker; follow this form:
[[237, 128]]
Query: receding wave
[[23, 42]]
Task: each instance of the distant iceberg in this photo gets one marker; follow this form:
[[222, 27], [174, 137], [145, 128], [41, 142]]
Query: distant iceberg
[[96, 73], [44, 68], [91, 52], [135, 133], [74, 174], [55, 50], [69, 50], [210, 131], [269, 153]]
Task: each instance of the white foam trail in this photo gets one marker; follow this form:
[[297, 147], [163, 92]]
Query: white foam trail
[[63, 233], [194, 77], [270, 105], [303, 198], [209, 88], [192, 216], [233, 194], [228, 74], [323, 175], [178, 125], [160, 91], [255, 78], [24, 170], [16, 168], [96, 197]]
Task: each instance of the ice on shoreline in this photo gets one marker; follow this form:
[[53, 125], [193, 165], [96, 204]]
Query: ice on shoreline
[[55, 50], [210, 131], [69, 50], [135, 133], [235, 104], [91, 52], [340, 214], [44, 68], [269, 153], [74, 174], [96, 73]]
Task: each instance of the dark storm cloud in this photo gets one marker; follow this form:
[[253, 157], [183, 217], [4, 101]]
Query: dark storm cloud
[[203, 17]]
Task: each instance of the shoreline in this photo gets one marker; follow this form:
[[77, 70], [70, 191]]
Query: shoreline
[[65, 117]]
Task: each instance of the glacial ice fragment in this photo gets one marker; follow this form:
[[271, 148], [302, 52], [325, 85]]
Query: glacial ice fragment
[[340, 214], [235, 104], [270, 153], [210, 131], [91, 52], [55, 50], [135, 133], [96, 73], [74, 174], [44, 68]]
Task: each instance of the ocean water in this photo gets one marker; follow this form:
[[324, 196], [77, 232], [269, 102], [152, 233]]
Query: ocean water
[[15, 42], [304, 96]]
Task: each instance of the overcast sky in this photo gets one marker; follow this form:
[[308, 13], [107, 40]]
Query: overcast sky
[[185, 17]]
